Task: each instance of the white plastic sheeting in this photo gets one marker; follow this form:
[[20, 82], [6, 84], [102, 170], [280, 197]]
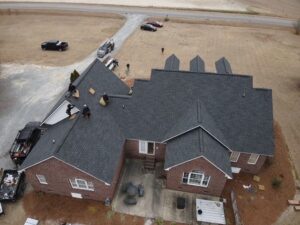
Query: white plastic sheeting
[[60, 113], [210, 211]]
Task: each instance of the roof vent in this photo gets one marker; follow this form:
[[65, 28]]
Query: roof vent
[[104, 100]]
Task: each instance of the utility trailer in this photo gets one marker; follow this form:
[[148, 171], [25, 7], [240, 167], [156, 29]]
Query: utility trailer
[[12, 185]]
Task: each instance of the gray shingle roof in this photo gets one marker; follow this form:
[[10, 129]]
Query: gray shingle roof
[[197, 143], [223, 66], [197, 65], [172, 63], [173, 106]]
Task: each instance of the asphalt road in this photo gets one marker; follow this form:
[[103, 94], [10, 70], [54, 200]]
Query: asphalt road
[[187, 14]]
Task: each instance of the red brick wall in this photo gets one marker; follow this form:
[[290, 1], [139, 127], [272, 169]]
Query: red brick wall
[[132, 150], [249, 168], [216, 183], [58, 173]]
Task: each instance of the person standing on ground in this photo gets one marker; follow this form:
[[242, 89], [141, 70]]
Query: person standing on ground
[[162, 50]]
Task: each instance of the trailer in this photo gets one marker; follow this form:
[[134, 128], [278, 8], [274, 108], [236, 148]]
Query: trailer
[[12, 185]]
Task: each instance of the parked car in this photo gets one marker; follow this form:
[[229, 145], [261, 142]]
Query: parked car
[[12, 185], [155, 23], [24, 142], [110, 62], [148, 27], [55, 45], [106, 48]]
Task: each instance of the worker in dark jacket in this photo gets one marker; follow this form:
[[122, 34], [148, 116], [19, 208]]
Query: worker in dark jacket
[[69, 108], [86, 112]]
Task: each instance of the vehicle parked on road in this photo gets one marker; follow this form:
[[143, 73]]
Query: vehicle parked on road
[[12, 185], [155, 23], [106, 48], [148, 27], [110, 62], [55, 45], [24, 142]]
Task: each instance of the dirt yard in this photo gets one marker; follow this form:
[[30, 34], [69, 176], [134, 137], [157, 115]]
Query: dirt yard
[[21, 35], [53, 209], [269, 204]]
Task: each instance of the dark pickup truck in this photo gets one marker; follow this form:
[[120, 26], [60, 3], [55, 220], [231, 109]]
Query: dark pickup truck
[[55, 45], [24, 142], [12, 185]]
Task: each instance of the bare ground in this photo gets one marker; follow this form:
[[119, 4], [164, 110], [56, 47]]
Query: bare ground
[[21, 35]]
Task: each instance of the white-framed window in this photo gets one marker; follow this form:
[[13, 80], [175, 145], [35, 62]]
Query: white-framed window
[[234, 157], [196, 178], [143, 147], [253, 158], [41, 179], [81, 184]]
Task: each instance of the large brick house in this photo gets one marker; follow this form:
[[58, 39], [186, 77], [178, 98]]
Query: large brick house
[[202, 126]]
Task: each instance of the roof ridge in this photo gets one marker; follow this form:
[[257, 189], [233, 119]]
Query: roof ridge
[[65, 137]]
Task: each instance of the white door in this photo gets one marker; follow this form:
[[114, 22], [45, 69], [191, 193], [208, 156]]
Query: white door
[[143, 147], [76, 195]]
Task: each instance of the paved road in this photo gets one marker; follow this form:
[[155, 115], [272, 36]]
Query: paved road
[[28, 92], [188, 14]]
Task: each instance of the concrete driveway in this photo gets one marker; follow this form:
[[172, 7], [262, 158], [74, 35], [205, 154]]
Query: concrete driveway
[[28, 92]]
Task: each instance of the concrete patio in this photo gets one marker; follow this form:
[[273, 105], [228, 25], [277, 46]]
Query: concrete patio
[[158, 202]]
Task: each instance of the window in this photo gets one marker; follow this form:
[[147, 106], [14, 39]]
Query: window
[[143, 147], [196, 178], [42, 179], [81, 184], [253, 158], [234, 157]]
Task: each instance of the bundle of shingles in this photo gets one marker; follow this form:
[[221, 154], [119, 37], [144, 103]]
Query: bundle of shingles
[[295, 204]]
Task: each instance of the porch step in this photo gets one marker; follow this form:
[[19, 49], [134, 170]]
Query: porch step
[[149, 162]]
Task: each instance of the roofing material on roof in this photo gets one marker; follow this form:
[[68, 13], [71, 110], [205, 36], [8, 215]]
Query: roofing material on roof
[[172, 63], [223, 66], [197, 65], [205, 115]]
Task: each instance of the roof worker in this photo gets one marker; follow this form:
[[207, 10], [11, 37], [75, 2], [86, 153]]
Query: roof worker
[[86, 112], [69, 108]]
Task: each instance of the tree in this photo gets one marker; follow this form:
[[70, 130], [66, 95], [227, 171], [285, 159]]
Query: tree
[[74, 76]]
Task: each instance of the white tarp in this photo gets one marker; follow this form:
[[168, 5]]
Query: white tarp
[[210, 211], [60, 113]]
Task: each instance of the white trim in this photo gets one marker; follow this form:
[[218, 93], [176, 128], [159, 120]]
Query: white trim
[[35, 164], [200, 126], [82, 171], [197, 158], [76, 185], [68, 165], [251, 155], [41, 178], [237, 158], [194, 184]]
